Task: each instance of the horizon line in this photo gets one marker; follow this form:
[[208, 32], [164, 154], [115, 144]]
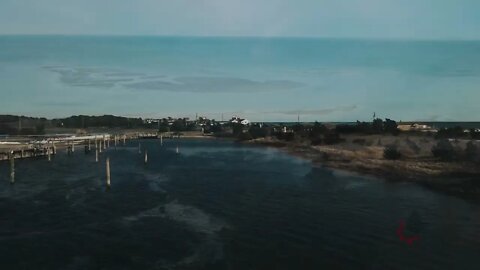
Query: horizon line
[[407, 39], [268, 121]]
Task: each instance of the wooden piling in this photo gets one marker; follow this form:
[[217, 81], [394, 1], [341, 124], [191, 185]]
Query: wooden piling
[[124, 139], [48, 154], [73, 147], [89, 145], [161, 140], [96, 155], [108, 172], [100, 146], [12, 168], [177, 151], [146, 156]]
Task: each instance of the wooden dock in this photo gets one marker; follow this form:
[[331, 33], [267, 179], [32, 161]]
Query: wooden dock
[[27, 153], [20, 148]]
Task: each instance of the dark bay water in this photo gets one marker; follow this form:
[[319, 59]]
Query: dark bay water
[[220, 205]]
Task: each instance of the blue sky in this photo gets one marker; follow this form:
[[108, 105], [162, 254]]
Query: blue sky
[[413, 19]]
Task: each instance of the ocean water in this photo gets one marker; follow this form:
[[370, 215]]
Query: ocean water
[[222, 205], [270, 79]]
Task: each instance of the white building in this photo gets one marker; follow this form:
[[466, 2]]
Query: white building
[[238, 120], [244, 122]]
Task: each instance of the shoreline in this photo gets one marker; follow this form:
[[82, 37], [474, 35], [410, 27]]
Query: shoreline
[[460, 179]]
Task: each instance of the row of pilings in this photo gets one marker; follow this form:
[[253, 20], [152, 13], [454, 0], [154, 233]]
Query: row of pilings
[[99, 144]]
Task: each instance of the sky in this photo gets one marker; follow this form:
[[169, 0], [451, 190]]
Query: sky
[[404, 19]]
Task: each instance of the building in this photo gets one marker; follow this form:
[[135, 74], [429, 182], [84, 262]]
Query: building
[[238, 120], [415, 127], [150, 121]]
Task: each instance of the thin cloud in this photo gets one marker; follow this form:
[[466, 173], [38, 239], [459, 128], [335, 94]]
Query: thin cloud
[[316, 112], [91, 77], [61, 104], [215, 85]]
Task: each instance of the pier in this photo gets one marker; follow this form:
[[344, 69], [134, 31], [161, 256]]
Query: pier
[[27, 153], [46, 146]]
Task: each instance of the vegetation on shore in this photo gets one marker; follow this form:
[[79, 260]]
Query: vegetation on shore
[[447, 160]]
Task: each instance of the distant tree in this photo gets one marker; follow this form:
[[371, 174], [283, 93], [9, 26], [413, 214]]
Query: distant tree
[[377, 126], [7, 129], [390, 126], [444, 150], [474, 134], [289, 136], [258, 132], [245, 136], [453, 133], [178, 125], [348, 129], [84, 121], [298, 128], [163, 128], [472, 151], [317, 130], [40, 129], [237, 129], [216, 128]]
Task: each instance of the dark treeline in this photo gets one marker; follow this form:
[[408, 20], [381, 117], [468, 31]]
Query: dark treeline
[[7, 118], [111, 121], [22, 125], [377, 126], [457, 132], [177, 125], [319, 133]]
